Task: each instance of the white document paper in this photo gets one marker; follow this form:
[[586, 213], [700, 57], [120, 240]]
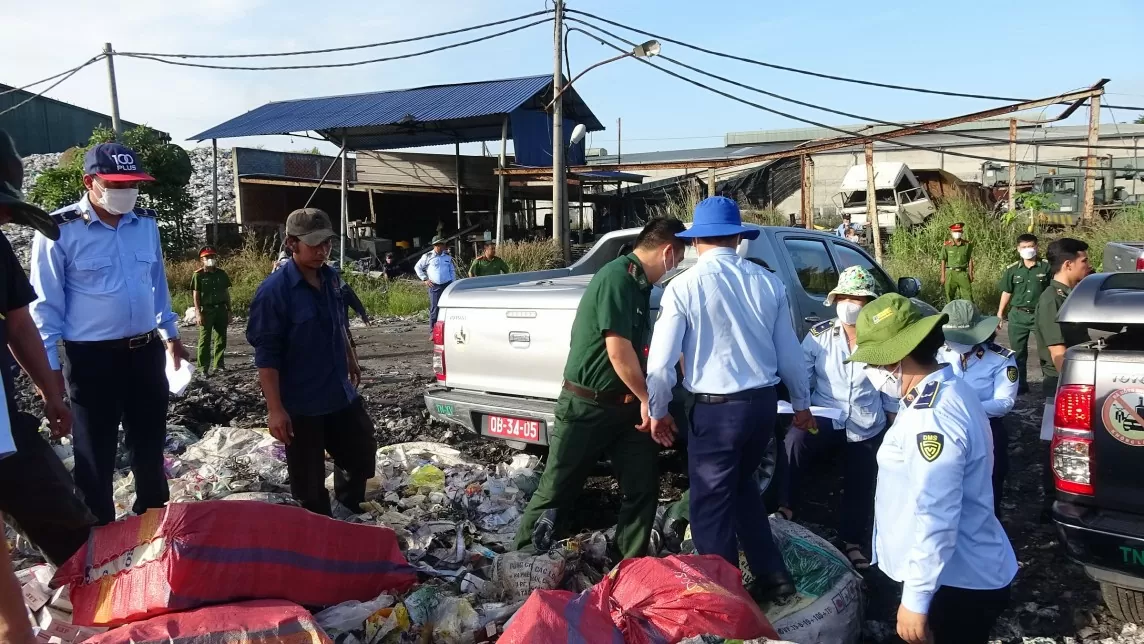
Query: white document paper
[[821, 412], [1047, 420], [178, 379]]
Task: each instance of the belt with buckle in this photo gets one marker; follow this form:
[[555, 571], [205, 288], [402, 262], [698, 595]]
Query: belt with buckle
[[622, 397], [957, 268], [134, 342], [1026, 309], [719, 399]]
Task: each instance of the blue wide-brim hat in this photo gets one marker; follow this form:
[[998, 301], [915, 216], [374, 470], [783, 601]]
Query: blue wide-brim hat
[[718, 217]]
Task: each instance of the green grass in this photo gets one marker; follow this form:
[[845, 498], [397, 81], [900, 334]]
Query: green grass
[[917, 253]]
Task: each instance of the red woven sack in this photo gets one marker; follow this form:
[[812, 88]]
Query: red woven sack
[[192, 554], [653, 600], [560, 617], [256, 622]]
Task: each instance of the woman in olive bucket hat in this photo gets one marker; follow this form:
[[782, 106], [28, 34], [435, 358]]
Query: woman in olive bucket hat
[[989, 369], [934, 526]]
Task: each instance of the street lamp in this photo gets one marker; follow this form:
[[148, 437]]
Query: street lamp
[[649, 49]]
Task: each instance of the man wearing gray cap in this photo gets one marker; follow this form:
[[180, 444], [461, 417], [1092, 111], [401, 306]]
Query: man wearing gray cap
[[309, 370]]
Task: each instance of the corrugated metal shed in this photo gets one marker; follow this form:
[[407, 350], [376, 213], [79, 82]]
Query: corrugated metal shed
[[421, 116], [45, 125]]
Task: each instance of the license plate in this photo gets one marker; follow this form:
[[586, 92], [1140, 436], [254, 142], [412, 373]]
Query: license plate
[[513, 428], [444, 409]]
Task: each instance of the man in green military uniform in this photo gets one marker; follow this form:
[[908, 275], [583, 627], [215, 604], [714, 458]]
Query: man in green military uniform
[[488, 263], [1021, 284], [957, 265], [602, 410], [1068, 260], [210, 286]]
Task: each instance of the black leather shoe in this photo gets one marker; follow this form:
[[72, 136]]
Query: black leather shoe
[[772, 587]]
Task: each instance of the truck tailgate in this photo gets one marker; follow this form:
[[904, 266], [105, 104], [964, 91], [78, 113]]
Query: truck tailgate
[[1118, 449]]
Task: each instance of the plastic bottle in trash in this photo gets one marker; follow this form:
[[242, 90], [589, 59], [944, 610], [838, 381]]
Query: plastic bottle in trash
[[544, 531]]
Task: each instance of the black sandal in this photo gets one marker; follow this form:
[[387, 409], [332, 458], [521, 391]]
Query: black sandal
[[857, 559]]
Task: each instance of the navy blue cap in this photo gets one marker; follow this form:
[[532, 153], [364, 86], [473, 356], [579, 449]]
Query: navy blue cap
[[114, 162], [718, 217]]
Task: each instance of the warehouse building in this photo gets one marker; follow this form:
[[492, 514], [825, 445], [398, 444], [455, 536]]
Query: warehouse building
[[42, 125]]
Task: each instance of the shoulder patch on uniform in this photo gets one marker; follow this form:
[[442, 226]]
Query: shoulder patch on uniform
[[67, 215], [948, 242], [1011, 373], [1000, 350], [1062, 293], [930, 445], [145, 212], [821, 327], [1013, 264], [980, 352], [925, 399]]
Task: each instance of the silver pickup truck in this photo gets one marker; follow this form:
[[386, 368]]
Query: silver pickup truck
[[501, 341], [1123, 257]]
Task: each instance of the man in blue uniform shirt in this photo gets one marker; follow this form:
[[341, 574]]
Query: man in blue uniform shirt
[[730, 319], [436, 269], [103, 292]]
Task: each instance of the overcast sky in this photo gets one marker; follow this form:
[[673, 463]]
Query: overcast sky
[[1028, 49]]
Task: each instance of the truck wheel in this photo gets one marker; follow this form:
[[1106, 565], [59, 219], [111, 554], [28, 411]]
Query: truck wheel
[[1124, 604]]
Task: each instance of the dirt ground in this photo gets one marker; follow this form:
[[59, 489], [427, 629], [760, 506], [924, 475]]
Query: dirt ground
[[1052, 598]]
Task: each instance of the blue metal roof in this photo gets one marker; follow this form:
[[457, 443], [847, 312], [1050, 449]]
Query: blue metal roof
[[420, 116]]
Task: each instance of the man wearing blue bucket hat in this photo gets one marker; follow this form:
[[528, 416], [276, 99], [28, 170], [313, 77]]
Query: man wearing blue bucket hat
[[730, 319]]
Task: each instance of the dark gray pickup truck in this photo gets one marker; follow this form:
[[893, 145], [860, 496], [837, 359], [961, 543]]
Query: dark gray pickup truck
[[1098, 440]]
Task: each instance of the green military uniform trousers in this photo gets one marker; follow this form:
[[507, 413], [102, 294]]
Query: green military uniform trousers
[[584, 432], [1020, 328], [210, 351], [957, 285]]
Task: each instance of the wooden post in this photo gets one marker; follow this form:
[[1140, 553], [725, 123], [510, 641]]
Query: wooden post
[[711, 182], [806, 168], [345, 201], [1090, 161], [1012, 165], [872, 203]]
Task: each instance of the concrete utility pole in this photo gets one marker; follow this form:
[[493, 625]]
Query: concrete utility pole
[[345, 199], [457, 157], [1012, 165], [214, 186], [1090, 162], [559, 185], [500, 179], [711, 182], [116, 126], [872, 203], [807, 170]]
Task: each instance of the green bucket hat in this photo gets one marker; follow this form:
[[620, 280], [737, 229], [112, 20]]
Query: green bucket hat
[[889, 328], [966, 325], [437, 241], [855, 281]]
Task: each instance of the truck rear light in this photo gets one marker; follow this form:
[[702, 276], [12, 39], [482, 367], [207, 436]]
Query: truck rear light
[[439, 350], [1140, 262], [1074, 407], [1071, 452]]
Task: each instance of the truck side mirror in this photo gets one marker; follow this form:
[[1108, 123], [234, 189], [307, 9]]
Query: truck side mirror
[[909, 286]]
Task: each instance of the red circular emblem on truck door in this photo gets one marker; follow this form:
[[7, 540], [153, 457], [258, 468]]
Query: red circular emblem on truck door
[[1123, 416]]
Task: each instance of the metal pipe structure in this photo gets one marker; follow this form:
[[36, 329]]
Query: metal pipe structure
[[500, 180], [345, 209], [116, 125], [837, 143]]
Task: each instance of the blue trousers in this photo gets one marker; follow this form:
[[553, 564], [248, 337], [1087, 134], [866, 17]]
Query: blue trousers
[[725, 445], [434, 298], [860, 474], [1000, 461]]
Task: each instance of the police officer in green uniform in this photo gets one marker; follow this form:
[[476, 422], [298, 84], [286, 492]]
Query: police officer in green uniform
[[602, 410], [1021, 284], [488, 263], [210, 286], [1068, 260], [957, 265]]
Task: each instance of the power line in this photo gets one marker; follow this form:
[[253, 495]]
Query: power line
[[66, 75], [806, 72], [53, 77], [831, 127], [349, 48], [333, 65], [860, 117]]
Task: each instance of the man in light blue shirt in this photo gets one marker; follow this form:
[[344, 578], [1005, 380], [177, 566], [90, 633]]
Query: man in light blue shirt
[[103, 292], [935, 530], [844, 226], [730, 319], [857, 434], [436, 269]]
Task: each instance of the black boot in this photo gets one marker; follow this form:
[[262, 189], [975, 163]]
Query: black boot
[[771, 587]]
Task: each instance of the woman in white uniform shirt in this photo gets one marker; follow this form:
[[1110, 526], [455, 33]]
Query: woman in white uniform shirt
[[934, 526]]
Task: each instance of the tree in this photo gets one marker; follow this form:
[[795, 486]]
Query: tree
[[167, 195], [1139, 120]]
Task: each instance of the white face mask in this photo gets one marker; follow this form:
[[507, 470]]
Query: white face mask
[[957, 235], [117, 201], [960, 349], [886, 381], [210, 262], [848, 311], [1027, 253]]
